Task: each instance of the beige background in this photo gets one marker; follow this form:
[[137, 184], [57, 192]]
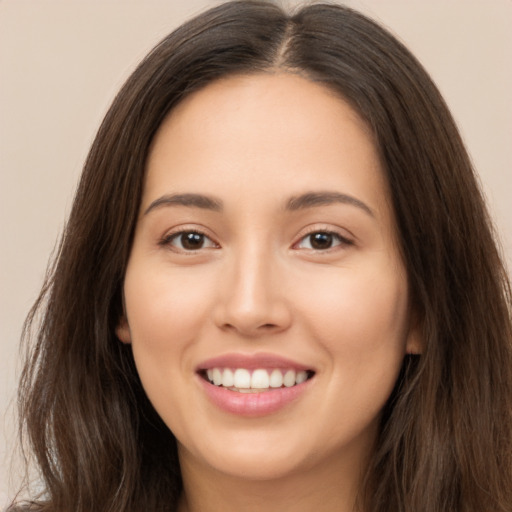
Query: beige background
[[61, 62]]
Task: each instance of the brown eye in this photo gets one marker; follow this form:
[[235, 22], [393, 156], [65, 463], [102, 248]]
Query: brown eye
[[189, 241], [322, 241]]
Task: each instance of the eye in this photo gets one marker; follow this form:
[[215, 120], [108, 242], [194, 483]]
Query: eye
[[322, 241], [188, 241]]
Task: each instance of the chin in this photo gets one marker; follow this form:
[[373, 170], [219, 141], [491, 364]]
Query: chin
[[256, 464]]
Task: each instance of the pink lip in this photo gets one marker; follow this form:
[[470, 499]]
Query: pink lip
[[251, 362], [253, 404]]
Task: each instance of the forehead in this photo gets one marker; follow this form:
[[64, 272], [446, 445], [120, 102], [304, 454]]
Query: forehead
[[280, 132], [253, 101]]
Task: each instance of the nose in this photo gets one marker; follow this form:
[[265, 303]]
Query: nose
[[252, 299]]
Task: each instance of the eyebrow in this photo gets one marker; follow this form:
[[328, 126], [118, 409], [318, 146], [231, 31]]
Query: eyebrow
[[312, 199], [302, 202], [190, 200]]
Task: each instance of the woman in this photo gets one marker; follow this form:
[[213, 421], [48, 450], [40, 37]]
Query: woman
[[278, 287]]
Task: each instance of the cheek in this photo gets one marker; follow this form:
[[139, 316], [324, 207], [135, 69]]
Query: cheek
[[360, 324], [166, 312], [360, 318], [164, 300]]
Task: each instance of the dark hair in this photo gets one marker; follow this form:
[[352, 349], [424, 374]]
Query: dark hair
[[445, 442]]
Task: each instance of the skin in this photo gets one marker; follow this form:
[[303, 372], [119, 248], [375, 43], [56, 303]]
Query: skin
[[257, 285]]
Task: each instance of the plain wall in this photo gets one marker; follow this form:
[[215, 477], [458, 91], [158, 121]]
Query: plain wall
[[61, 62]]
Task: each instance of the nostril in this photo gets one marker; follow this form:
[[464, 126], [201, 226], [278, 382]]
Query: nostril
[[263, 327], [250, 313]]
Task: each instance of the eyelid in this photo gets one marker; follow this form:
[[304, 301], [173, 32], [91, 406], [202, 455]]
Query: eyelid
[[344, 240], [169, 236]]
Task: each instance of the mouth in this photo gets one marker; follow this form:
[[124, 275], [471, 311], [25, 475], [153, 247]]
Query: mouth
[[253, 385], [257, 380]]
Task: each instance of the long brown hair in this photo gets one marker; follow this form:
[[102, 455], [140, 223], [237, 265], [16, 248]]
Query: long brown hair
[[445, 443]]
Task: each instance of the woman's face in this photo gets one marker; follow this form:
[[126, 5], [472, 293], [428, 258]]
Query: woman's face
[[265, 260]]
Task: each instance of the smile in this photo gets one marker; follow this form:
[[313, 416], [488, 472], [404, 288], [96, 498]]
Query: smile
[[254, 384], [244, 380]]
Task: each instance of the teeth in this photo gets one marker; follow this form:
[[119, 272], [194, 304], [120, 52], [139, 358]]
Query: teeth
[[288, 379], [228, 379], [276, 379], [260, 379], [217, 376], [241, 379], [301, 377]]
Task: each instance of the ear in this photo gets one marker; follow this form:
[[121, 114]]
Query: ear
[[123, 330]]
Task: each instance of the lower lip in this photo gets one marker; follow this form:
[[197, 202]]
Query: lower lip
[[253, 404]]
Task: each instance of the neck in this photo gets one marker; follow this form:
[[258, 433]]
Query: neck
[[327, 487]]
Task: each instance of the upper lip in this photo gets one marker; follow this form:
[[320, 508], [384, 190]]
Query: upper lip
[[251, 362]]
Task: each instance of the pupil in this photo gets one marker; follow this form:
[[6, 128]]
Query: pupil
[[321, 241], [192, 240]]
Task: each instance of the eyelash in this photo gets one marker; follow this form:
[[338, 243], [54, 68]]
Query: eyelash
[[167, 240], [341, 240]]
